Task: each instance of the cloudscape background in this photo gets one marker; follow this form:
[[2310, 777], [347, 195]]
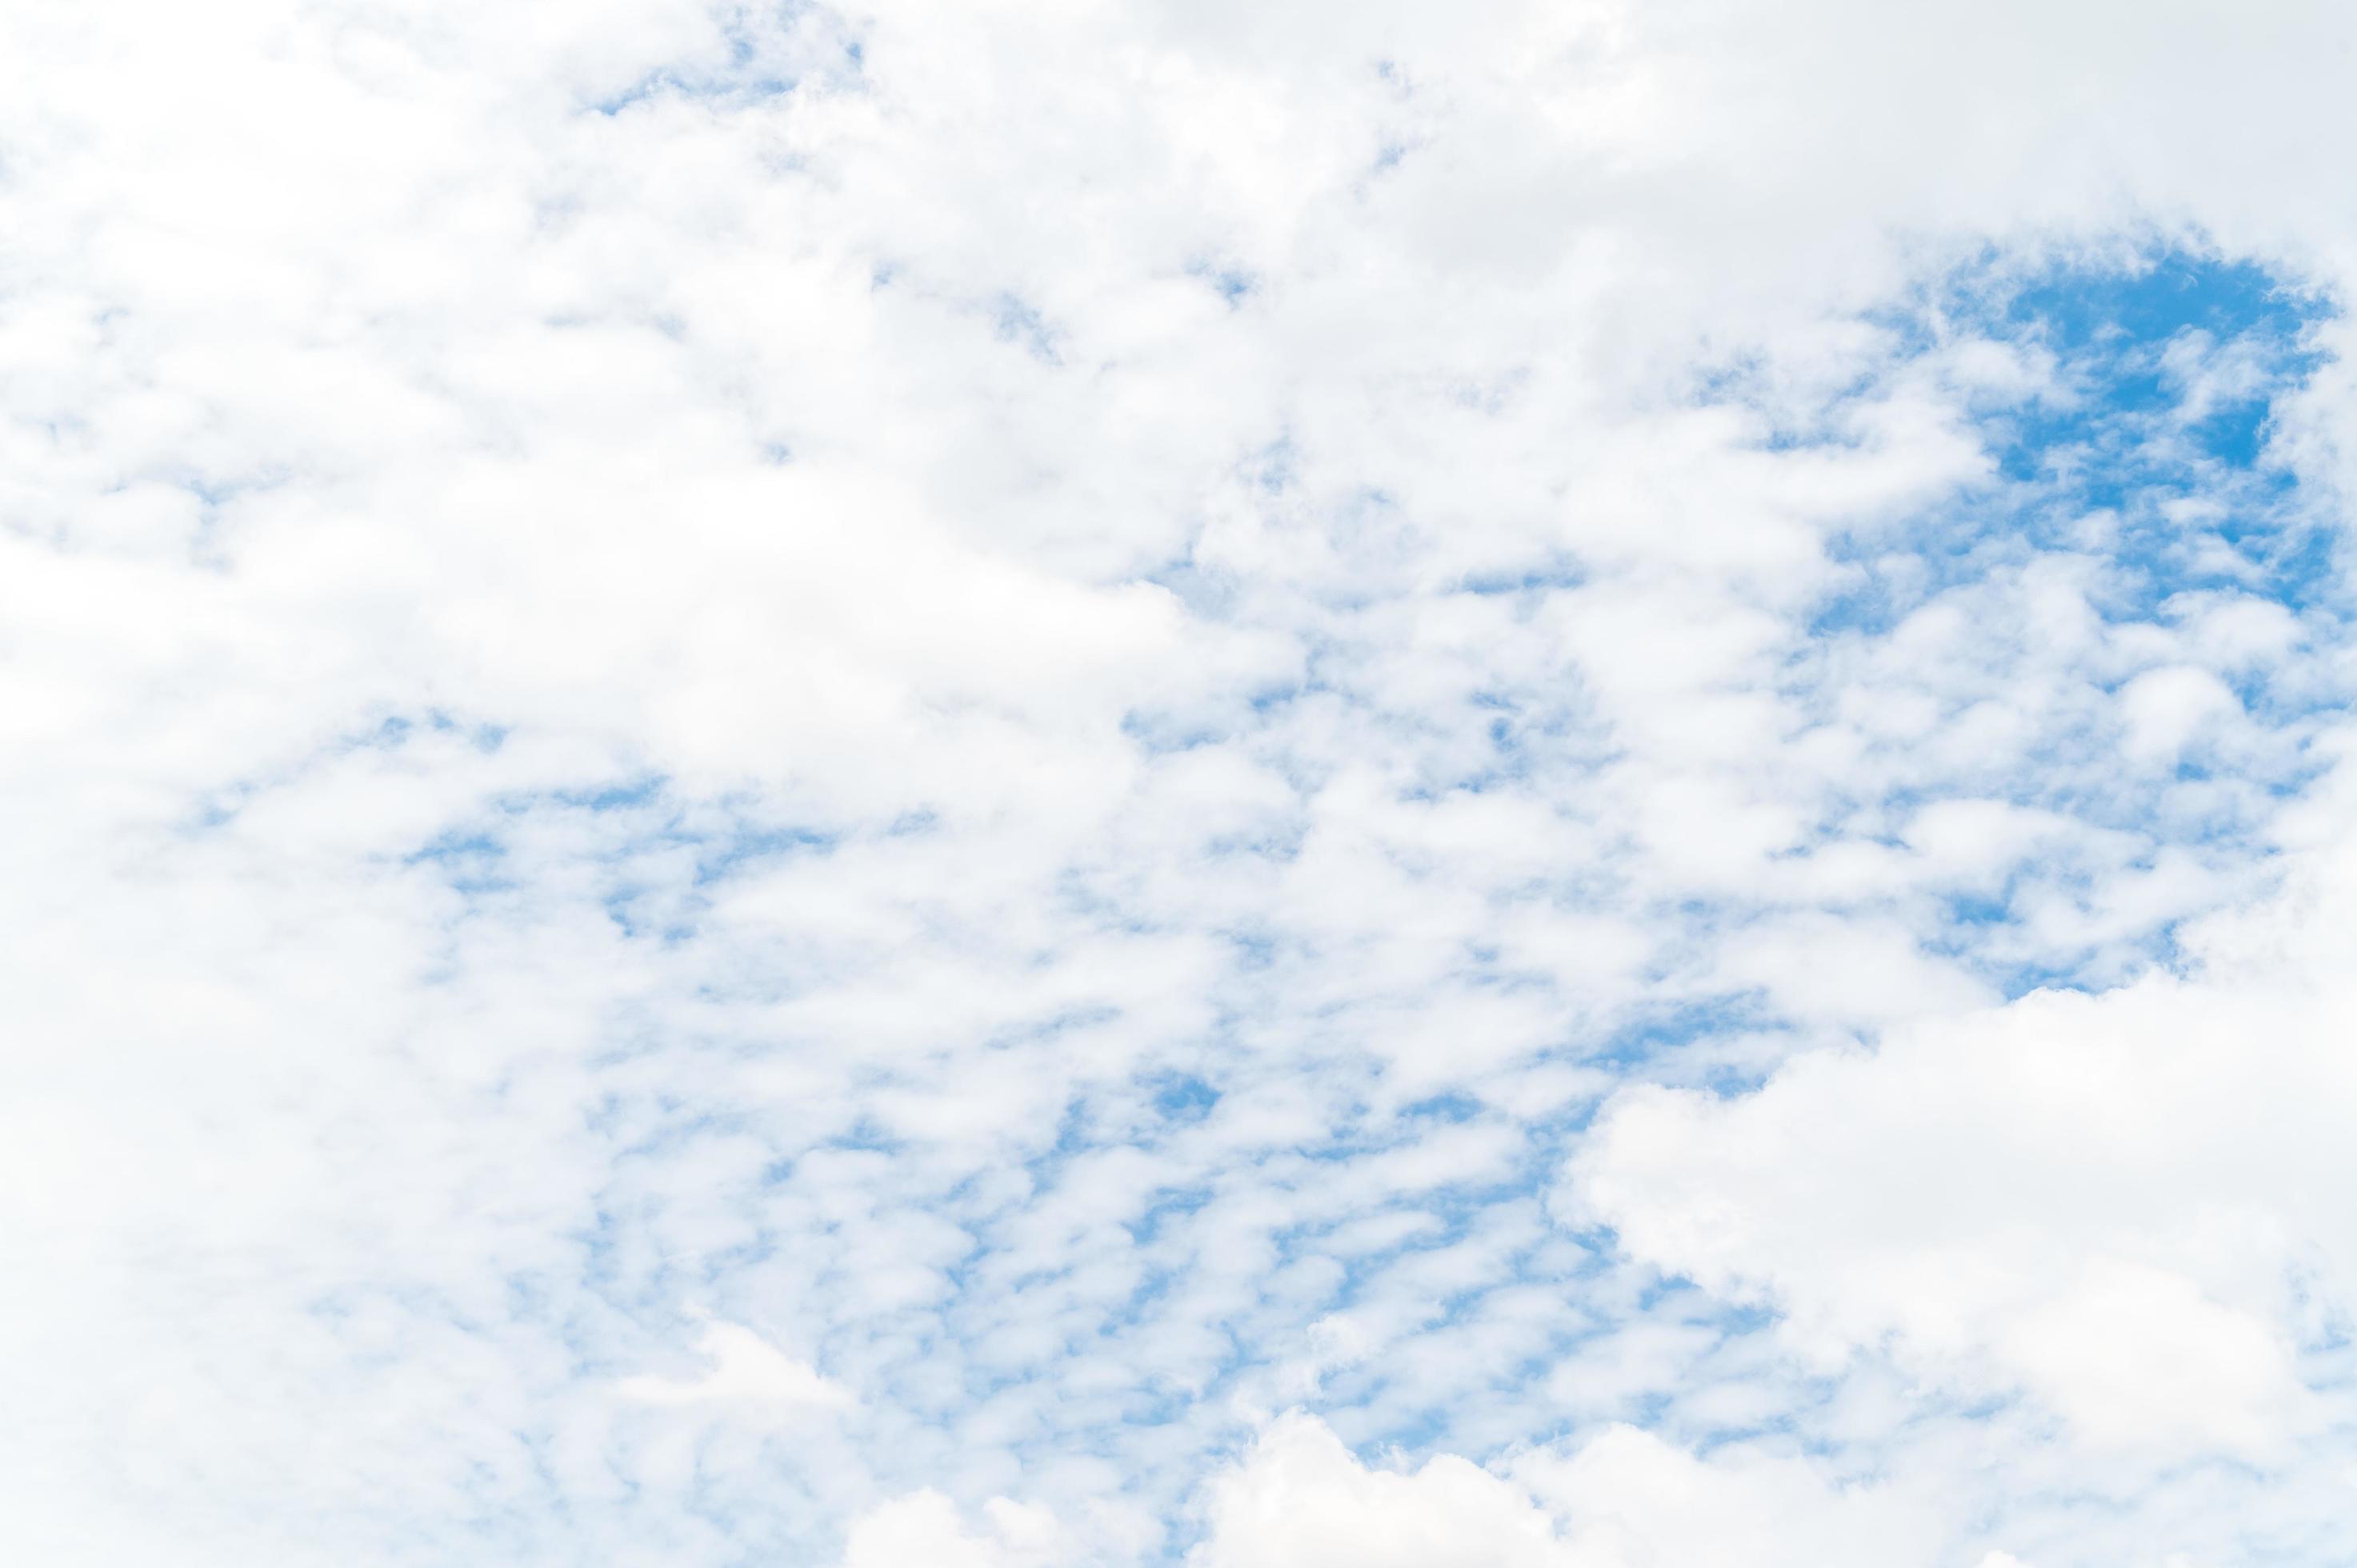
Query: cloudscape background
[[1304, 785]]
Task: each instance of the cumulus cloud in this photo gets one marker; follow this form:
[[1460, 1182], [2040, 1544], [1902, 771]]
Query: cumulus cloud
[[1623, 1500], [2124, 1204], [925, 1527], [745, 1370]]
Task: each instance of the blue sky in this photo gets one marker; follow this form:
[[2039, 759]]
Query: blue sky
[[1058, 786]]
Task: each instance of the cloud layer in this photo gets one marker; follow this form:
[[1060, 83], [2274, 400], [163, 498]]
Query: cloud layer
[[1065, 783]]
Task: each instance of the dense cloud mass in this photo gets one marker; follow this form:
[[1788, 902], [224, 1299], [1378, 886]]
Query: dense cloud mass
[[1024, 785]]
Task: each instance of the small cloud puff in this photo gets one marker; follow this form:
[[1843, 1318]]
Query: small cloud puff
[[1623, 1500], [925, 1530], [746, 1369]]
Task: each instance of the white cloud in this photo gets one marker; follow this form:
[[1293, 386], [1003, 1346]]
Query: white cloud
[[1039, 694], [1622, 1499], [745, 1371], [925, 1527], [2164, 708], [2126, 1205], [1302, 1500]]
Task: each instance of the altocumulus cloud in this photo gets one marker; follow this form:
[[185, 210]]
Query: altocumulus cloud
[[1027, 785]]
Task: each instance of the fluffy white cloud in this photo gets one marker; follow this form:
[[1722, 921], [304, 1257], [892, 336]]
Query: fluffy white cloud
[[1623, 1500], [2129, 1204], [745, 1370], [924, 1527]]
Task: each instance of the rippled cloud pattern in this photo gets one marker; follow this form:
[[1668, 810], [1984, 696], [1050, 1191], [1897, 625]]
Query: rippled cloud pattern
[[1028, 785]]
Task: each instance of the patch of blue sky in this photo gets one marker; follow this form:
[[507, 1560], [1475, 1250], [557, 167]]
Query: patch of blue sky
[[1981, 932], [381, 733], [1183, 1098], [2163, 293], [644, 829], [610, 796], [471, 864], [1360, 1416], [2142, 474], [1529, 582], [739, 846], [2118, 445], [762, 52], [1655, 1029], [1163, 732], [865, 1133], [1452, 1106], [1020, 322], [2070, 970], [1230, 282], [1207, 593], [1171, 1204]]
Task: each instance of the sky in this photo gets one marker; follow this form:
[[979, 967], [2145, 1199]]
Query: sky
[[1177, 784]]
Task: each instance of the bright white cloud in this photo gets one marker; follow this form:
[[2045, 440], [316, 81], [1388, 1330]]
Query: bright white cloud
[[744, 1370], [2126, 1205], [1623, 1500], [924, 1527]]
